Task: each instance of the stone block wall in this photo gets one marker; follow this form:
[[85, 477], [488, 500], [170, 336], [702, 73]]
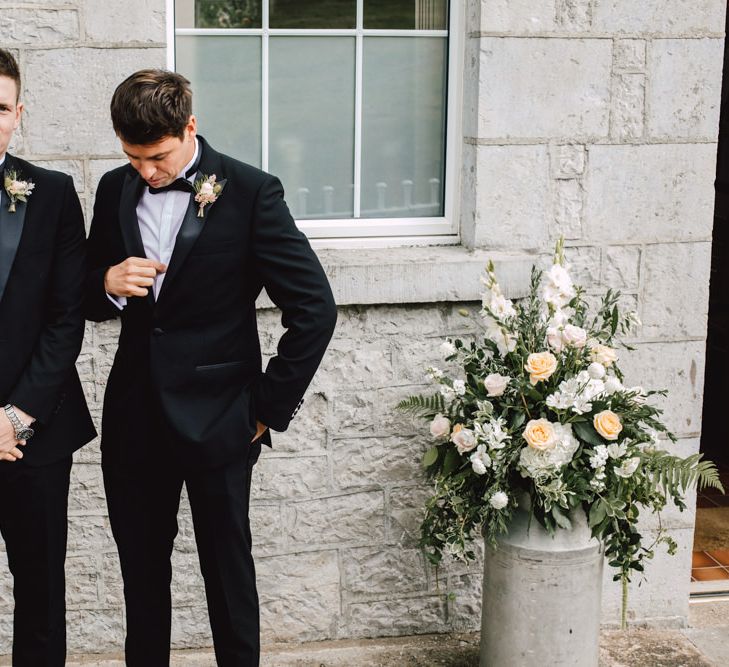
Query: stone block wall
[[592, 119]]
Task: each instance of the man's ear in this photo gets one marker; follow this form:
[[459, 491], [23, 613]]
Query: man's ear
[[18, 112]]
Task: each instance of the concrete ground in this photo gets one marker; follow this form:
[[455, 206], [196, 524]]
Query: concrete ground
[[705, 643]]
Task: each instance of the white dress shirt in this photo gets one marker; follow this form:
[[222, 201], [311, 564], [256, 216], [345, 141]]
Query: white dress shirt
[[160, 217]]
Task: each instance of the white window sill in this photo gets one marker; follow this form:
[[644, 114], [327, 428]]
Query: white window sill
[[368, 276]]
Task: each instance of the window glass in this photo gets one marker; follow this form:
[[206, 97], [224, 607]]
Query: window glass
[[225, 73], [403, 126], [322, 14], [311, 123], [406, 14], [218, 13]]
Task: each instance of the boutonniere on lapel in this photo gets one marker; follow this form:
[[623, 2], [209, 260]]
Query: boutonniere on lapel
[[17, 189], [207, 191]]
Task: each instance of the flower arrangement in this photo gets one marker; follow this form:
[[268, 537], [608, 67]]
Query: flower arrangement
[[16, 189], [539, 407], [207, 191]]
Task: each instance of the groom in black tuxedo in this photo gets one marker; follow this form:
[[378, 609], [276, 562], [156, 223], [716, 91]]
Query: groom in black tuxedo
[[43, 413], [182, 242]]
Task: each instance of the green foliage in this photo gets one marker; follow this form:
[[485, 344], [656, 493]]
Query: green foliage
[[485, 457], [422, 405]]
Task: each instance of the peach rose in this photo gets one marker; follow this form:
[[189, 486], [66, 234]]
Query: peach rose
[[603, 354], [540, 366], [607, 424], [540, 435]]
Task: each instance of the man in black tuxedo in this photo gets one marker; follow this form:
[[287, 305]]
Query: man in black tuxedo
[[43, 413], [182, 242]]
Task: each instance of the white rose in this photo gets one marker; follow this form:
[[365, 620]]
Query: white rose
[[603, 354], [478, 466], [554, 338], [440, 426], [459, 386], [596, 371], [499, 500], [612, 384], [447, 348], [496, 384], [574, 336], [206, 188], [628, 467], [463, 439]]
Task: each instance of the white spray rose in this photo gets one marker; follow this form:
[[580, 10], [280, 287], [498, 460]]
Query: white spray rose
[[596, 371], [612, 384], [440, 427], [574, 336], [463, 438], [496, 384], [459, 386]]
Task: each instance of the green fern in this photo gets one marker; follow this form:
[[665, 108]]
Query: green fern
[[673, 474], [422, 405]]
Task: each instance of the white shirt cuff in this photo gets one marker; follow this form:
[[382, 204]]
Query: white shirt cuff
[[118, 301]]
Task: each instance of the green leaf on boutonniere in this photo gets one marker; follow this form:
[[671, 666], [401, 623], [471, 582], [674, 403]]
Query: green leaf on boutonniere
[[587, 433]]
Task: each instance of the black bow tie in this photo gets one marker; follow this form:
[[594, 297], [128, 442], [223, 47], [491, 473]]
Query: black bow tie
[[181, 184]]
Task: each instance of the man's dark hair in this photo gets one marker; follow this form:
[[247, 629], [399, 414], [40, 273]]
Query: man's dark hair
[[9, 67], [150, 105]]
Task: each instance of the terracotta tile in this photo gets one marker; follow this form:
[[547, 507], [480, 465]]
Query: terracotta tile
[[721, 556], [710, 573], [703, 559]]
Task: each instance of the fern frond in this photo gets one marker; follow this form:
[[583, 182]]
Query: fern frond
[[673, 475], [422, 404]]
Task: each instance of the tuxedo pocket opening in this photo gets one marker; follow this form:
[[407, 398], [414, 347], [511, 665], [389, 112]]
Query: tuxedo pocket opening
[[223, 365]]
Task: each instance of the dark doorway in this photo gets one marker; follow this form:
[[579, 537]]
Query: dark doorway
[[710, 565]]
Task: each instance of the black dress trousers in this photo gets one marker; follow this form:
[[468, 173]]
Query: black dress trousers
[[143, 501], [33, 505]]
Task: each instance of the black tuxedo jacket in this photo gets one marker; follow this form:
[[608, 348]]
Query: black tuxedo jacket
[[194, 352], [42, 279]]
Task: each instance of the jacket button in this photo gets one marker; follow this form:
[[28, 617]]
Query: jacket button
[[157, 331]]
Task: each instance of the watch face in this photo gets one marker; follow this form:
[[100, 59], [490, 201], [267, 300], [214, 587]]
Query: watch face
[[24, 433]]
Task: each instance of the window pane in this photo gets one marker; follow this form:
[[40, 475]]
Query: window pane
[[311, 119], [403, 126], [225, 73], [313, 13], [218, 13], [406, 14]]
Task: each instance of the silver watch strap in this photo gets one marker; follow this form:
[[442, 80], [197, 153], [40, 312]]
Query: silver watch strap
[[14, 419]]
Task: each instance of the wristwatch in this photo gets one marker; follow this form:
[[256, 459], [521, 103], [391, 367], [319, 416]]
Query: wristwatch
[[22, 432]]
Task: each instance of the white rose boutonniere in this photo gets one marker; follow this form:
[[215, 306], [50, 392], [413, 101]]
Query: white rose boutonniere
[[17, 189], [207, 191]]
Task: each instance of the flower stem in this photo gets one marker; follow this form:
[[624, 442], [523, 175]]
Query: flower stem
[[526, 407], [624, 607]]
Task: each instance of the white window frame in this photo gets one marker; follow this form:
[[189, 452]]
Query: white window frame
[[367, 232]]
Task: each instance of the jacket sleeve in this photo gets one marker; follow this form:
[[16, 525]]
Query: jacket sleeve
[[38, 389], [295, 281], [97, 306]]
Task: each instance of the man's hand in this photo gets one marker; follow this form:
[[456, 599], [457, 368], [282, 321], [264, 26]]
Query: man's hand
[[132, 277], [8, 444], [260, 430]]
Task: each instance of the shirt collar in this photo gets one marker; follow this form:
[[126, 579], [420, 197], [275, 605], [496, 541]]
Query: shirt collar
[[183, 171], [2, 160]]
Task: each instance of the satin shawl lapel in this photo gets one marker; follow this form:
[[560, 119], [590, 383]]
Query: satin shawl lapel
[[128, 222], [192, 225], [11, 228]]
